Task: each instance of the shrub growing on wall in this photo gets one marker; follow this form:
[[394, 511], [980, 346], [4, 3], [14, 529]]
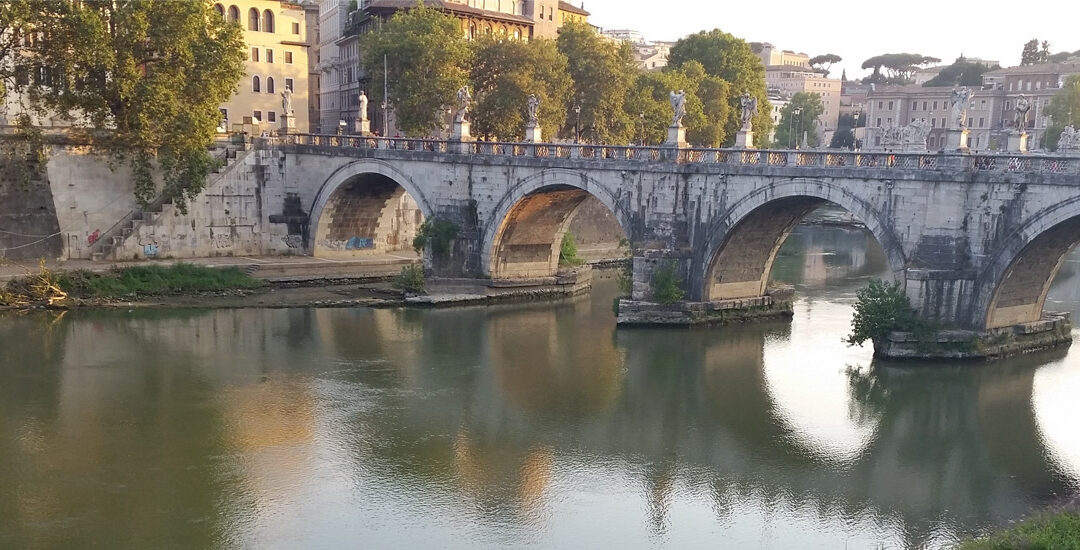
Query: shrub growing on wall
[[665, 285]]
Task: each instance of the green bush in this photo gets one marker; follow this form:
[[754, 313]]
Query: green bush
[[881, 308], [568, 251], [411, 279], [437, 232], [665, 285], [155, 279]]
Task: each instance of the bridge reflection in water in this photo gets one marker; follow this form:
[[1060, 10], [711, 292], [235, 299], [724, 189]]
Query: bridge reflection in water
[[518, 425]]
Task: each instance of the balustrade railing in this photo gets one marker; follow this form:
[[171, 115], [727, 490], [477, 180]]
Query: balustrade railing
[[1000, 163]]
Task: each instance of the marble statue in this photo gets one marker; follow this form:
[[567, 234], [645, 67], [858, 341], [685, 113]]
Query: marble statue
[[533, 108], [286, 102], [1023, 105], [959, 104], [748, 105], [678, 105], [1069, 140], [363, 106], [464, 98]]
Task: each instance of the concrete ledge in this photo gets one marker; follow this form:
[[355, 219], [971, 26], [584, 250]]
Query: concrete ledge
[[455, 292], [1054, 329], [776, 303]]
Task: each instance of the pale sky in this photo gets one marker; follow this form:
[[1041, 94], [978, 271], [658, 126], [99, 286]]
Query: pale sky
[[990, 29]]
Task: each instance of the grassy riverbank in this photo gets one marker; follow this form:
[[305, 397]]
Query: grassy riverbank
[[1058, 530], [55, 288]]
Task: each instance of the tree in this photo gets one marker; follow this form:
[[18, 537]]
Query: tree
[[793, 127], [153, 72], [1035, 52], [825, 62], [961, 73], [844, 136], [707, 106], [505, 72], [1062, 57], [426, 57], [900, 67], [730, 59], [1064, 110], [602, 72], [881, 308]]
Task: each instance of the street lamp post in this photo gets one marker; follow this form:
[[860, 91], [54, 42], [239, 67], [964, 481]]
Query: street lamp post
[[854, 133], [577, 123], [795, 113]]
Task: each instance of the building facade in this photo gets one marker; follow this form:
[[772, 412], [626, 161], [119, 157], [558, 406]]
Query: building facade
[[991, 117], [276, 34], [788, 80], [771, 55]]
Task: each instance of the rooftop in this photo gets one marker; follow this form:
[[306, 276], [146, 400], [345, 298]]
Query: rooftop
[[453, 7], [567, 6], [1042, 68]]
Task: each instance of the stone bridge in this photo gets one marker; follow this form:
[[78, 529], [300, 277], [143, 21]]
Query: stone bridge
[[975, 238]]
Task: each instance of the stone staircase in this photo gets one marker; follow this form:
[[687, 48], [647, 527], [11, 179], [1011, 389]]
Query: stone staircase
[[115, 237]]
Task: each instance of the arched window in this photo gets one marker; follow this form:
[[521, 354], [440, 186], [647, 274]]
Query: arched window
[[502, 30], [253, 19], [255, 84], [220, 10], [268, 21], [517, 34], [234, 14], [487, 29], [472, 30], [269, 84]]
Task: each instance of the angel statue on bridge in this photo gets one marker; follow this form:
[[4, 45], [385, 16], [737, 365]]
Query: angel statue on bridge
[[749, 109], [464, 98], [678, 104]]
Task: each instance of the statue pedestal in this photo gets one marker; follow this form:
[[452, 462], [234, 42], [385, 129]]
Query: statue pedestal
[[533, 134], [744, 139], [1018, 142], [956, 139], [676, 137], [288, 124], [460, 134], [363, 127]]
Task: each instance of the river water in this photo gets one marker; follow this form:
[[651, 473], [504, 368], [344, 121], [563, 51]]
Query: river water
[[520, 426]]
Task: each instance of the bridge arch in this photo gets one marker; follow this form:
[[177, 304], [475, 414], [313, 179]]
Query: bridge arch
[[742, 242], [523, 232], [1012, 287], [366, 206]]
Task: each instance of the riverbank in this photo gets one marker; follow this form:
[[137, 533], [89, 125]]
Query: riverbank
[[1058, 529]]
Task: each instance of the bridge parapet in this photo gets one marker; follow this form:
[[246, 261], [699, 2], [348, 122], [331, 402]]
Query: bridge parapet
[[987, 163]]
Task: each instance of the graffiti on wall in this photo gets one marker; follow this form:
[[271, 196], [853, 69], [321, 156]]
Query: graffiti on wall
[[354, 243]]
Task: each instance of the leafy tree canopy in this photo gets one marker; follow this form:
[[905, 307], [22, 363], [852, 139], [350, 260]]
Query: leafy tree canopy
[[962, 72], [707, 108], [427, 57], [792, 127], [504, 73], [154, 72], [899, 67], [729, 59], [1035, 52], [844, 137], [602, 73], [825, 62], [1064, 110]]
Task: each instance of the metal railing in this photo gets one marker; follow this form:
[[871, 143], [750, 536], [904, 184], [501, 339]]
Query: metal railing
[[983, 162]]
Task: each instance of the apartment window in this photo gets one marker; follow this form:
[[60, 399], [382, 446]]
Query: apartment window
[[288, 57], [257, 115], [914, 106], [924, 105], [889, 121], [912, 119], [935, 105], [220, 10], [256, 84], [971, 121], [296, 28], [933, 123], [981, 122], [268, 21], [269, 55], [879, 105], [942, 122], [269, 84], [255, 54], [890, 105], [271, 116], [289, 84], [879, 123], [234, 14], [253, 19]]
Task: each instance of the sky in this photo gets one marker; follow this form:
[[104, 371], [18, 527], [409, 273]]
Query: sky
[[989, 29]]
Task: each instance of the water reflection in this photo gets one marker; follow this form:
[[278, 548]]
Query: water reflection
[[535, 425]]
